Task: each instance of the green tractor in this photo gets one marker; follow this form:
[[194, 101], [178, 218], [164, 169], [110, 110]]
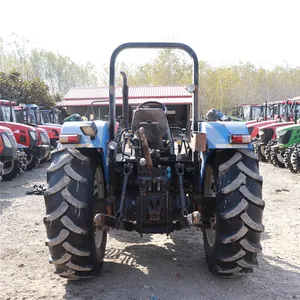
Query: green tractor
[[285, 151]]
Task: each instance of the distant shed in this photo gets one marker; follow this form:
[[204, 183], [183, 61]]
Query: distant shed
[[177, 99]]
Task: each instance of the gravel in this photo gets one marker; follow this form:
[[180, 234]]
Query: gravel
[[154, 266]]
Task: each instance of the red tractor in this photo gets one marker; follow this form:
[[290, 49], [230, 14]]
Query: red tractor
[[22, 116], [249, 112], [267, 134], [34, 139], [35, 116], [254, 127], [13, 160], [277, 111], [51, 116]]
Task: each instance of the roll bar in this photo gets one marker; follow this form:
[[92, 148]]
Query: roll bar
[[112, 88]]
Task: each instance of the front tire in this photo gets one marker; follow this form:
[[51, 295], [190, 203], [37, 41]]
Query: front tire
[[15, 170], [277, 159], [258, 151], [268, 150], [71, 203], [233, 213], [295, 159], [287, 158]]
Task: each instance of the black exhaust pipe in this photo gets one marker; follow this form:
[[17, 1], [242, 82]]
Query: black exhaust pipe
[[266, 111], [125, 100], [296, 112]]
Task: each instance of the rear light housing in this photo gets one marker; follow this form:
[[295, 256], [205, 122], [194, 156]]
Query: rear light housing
[[6, 141], [69, 138], [44, 138], [240, 139], [89, 129]]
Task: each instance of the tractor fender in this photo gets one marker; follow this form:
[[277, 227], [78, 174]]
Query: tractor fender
[[99, 142], [218, 138], [218, 134]]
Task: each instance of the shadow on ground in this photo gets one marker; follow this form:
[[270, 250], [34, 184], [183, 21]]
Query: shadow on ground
[[177, 270]]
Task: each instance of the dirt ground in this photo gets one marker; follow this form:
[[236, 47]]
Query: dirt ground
[[152, 267]]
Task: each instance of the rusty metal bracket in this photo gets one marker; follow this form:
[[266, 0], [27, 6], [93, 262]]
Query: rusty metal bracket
[[198, 141], [103, 221], [146, 148]]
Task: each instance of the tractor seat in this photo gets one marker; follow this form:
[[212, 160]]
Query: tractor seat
[[155, 123]]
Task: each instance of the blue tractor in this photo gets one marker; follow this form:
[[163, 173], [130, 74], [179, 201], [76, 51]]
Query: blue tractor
[[136, 178]]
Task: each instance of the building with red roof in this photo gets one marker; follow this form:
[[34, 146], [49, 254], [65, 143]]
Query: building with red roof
[[177, 99]]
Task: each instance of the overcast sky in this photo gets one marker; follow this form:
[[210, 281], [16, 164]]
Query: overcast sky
[[223, 31]]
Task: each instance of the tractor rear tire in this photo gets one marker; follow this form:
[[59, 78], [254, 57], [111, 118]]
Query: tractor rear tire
[[75, 190], [232, 242], [258, 151], [268, 150], [275, 160], [295, 159], [288, 158]]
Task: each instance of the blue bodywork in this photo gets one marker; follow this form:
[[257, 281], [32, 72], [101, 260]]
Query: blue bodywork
[[218, 133], [100, 142], [218, 137]]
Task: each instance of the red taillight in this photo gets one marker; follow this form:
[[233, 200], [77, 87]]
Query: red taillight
[[69, 138], [240, 139]]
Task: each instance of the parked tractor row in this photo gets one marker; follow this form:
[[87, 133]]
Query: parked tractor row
[[25, 141], [277, 138], [252, 113]]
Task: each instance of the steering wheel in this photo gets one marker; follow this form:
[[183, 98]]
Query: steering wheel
[[151, 103]]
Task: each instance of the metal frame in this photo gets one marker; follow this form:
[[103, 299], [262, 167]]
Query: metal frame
[[112, 96]]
